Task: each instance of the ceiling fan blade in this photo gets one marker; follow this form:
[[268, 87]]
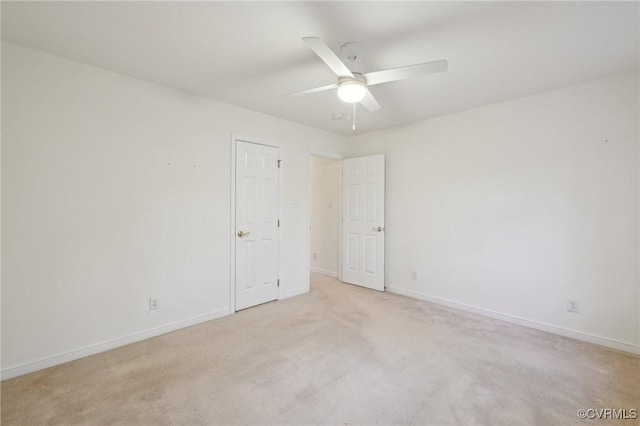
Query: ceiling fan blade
[[409, 71], [327, 56], [307, 91], [369, 102]]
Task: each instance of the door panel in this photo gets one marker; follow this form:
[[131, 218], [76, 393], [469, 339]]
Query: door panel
[[256, 230], [370, 244], [354, 205], [363, 221], [352, 252]]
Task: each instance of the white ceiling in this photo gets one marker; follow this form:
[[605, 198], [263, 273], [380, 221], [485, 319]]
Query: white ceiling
[[247, 53]]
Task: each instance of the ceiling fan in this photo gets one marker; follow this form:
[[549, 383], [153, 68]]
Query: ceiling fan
[[353, 83]]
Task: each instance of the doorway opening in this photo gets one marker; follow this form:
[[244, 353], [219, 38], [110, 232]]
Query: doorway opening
[[325, 210]]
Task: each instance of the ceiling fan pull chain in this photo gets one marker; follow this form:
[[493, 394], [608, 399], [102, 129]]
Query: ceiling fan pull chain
[[353, 116]]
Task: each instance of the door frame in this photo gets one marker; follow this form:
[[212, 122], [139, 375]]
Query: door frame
[[339, 160], [232, 285]]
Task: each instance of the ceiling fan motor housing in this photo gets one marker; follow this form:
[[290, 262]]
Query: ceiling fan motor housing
[[352, 54]]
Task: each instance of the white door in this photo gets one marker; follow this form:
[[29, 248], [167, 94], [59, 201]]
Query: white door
[[363, 221], [256, 230]]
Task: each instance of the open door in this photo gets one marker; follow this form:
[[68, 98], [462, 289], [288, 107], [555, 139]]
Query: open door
[[363, 221]]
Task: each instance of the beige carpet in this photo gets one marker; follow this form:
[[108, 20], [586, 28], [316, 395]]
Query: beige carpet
[[339, 355]]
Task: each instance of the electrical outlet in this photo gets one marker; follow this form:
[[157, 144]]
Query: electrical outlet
[[414, 275], [154, 303], [573, 306]]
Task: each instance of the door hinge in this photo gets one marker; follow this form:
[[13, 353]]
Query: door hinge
[[279, 161], [278, 283], [278, 223]]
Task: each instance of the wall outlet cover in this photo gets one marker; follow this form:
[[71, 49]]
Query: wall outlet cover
[[154, 303], [573, 305]]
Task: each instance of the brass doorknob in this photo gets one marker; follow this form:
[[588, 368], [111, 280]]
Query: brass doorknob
[[378, 229], [243, 234]]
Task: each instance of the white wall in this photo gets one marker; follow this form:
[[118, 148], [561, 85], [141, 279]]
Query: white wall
[[512, 208], [325, 214], [115, 190]]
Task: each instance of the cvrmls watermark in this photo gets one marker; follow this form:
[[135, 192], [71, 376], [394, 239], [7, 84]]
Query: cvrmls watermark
[[608, 413]]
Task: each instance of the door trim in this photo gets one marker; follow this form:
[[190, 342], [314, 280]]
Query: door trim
[[232, 233]]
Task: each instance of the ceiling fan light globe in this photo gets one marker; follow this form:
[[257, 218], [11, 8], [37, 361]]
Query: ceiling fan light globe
[[351, 91]]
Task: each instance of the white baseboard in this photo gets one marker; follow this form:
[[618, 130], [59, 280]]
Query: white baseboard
[[30, 367], [579, 335], [294, 292], [324, 272]]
